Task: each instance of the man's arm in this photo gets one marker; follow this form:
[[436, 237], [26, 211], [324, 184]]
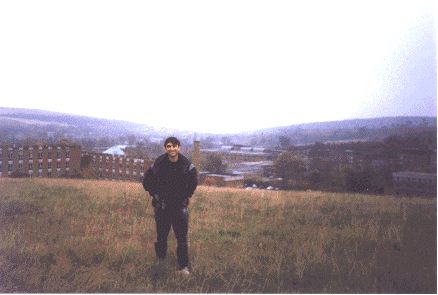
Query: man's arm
[[192, 180], [149, 181]]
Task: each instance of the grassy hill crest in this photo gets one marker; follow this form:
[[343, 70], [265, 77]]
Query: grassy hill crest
[[61, 235]]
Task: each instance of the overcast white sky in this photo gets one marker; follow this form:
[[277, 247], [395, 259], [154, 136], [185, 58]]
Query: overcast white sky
[[220, 66]]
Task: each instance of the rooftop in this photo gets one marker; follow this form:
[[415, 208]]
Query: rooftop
[[117, 150]]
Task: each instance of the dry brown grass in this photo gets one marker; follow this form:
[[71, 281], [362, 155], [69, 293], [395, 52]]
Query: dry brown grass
[[97, 236]]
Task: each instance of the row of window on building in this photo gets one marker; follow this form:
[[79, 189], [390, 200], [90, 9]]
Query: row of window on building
[[39, 160], [116, 167], [407, 183], [29, 152], [31, 163]]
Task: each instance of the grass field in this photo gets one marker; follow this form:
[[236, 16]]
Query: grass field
[[97, 236]]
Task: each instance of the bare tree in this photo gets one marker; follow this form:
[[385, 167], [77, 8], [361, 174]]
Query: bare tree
[[214, 164]]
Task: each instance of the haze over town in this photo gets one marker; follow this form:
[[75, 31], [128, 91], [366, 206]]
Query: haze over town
[[223, 66]]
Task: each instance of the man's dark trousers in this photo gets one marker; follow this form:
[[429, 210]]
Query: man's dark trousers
[[178, 219]]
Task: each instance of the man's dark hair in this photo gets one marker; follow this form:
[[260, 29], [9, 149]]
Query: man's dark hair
[[172, 140]]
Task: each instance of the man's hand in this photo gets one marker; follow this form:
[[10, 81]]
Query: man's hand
[[156, 197], [156, 201]]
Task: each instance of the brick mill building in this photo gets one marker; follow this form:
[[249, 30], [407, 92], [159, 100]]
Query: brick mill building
[[105, 166], [67, 160], [40, 160]]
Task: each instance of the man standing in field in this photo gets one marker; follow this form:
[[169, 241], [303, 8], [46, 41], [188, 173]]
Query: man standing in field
[[171, 181]]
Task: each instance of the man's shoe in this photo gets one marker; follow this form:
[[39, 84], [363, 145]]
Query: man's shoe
[[185, 271]]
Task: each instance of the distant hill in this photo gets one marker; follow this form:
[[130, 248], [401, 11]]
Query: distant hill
[[18, 124], [22, 124], [372, 123], [374, 129]]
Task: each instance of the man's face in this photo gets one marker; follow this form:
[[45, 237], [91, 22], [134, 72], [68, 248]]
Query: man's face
[[172, 150]]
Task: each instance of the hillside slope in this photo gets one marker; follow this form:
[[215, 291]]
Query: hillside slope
[[98, 236], [25, 122]]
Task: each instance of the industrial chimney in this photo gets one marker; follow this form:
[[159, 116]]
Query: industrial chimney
[[196, 157]]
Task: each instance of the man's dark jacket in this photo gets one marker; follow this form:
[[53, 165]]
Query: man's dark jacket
[[171, 184]]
